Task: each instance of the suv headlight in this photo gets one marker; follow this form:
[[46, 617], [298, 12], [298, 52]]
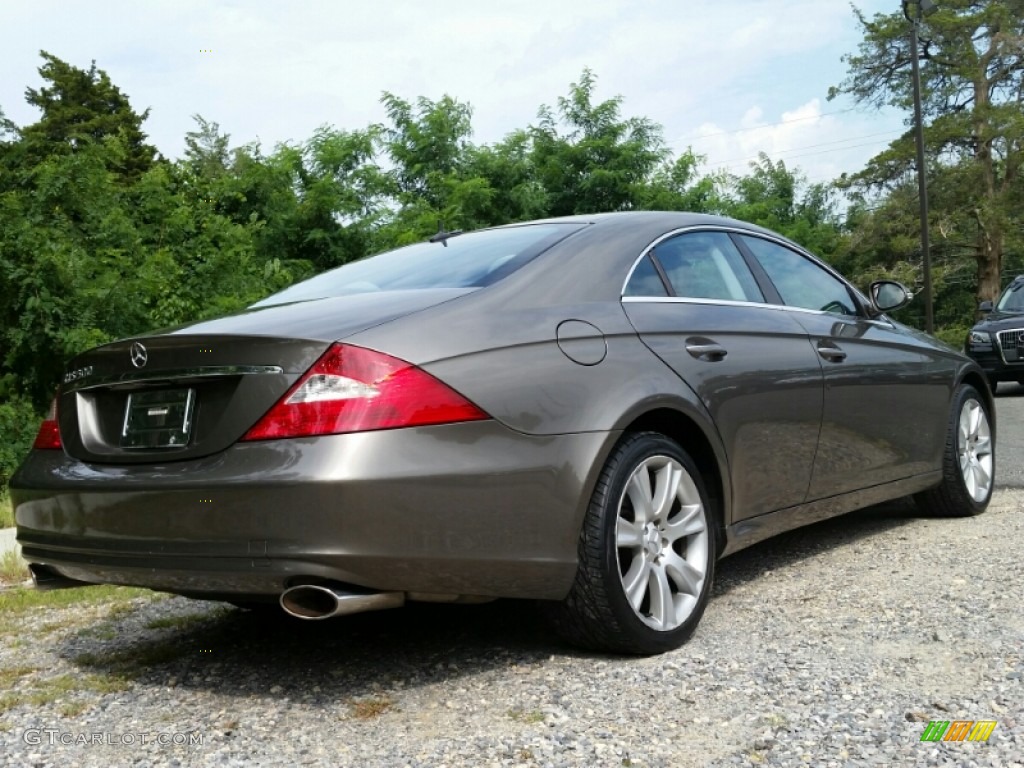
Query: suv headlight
[[979, 339]]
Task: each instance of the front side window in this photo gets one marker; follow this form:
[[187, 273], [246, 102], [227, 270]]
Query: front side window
[[465, 261], [706, 265], [799, 281]]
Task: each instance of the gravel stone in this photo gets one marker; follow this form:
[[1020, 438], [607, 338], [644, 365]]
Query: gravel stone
[[829, 646]]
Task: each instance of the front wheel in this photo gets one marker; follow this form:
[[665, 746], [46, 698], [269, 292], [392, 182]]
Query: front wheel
[[968, 462], [646, 553]]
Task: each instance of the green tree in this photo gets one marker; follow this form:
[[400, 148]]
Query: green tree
[[601, 162], [678, 186], [431, 179], [972, 72], [81, 106], [778, 198]]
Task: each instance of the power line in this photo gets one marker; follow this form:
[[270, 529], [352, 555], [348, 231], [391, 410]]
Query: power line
[[725, 163], [761, 127]]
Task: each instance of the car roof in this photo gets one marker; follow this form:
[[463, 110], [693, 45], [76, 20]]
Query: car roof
[[592, 262]]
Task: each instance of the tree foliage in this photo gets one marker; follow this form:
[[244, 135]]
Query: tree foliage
[[972, 73]]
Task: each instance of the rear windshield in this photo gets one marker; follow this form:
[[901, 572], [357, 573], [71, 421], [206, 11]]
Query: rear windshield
[[1012, 299], [463, 261]]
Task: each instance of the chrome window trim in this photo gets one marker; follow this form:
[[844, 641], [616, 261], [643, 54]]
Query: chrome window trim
[[882, 320], [130, 377], [781, 241]]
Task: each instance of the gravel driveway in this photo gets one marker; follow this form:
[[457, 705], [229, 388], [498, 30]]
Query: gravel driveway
[[829, 646]]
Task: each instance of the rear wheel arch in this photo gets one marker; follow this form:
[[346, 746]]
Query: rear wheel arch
[[689, 435]]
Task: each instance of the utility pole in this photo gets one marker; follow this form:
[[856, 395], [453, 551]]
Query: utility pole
[[921, 8]]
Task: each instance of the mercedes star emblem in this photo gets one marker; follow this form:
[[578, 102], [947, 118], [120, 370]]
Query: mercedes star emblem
[[139, 355]]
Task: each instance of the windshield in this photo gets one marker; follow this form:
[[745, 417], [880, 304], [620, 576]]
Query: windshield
[[1012, 299], [463, 261]]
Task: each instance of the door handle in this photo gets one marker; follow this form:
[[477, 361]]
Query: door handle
[[831, 352], [706, 349]]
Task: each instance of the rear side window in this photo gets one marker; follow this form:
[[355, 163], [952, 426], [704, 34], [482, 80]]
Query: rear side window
[[645, 281], [464, 261], [799, 281], [706, 265]]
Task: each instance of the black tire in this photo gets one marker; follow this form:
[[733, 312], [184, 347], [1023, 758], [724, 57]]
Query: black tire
[[597, 613], [993, 382], [952, 497]]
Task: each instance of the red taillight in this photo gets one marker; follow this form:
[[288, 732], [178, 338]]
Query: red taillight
[[351, 389], [48, 437]]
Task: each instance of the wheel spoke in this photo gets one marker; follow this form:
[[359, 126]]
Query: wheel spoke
[[688, 522], [965, 463], [686, 576], [667, 488], [635, 580], [974, 418], [984, 446], [662, 604], [982, 479], [970, 480], [639, 490], [965, 428], [628, 535]]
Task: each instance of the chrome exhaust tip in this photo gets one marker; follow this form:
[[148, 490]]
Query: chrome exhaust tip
[[317, 601]]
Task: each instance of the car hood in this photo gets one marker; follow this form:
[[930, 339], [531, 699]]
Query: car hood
[[326, 319], [1000, 321]]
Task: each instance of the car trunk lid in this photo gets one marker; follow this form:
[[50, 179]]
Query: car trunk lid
[[166, 398]]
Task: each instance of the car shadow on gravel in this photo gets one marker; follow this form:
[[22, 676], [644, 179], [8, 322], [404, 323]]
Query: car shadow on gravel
[[790, 548], [209, 646], [206, 646]]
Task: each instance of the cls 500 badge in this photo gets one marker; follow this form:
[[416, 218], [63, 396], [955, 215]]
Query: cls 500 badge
[[78, 373]]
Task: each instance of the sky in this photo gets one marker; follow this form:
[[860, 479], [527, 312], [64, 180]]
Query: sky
[[729, 78]]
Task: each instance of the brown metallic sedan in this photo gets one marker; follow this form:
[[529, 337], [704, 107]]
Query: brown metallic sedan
[[588, 411]]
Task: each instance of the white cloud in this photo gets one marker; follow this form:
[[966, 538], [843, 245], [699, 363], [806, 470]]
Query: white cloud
[[821, 144], [278, 70]]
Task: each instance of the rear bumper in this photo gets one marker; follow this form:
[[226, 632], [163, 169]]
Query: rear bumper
[[470, 509]]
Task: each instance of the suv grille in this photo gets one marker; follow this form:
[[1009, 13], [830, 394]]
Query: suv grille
[[1011, 344]]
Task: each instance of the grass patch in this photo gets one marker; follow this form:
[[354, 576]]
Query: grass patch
[[59, 689], [10, 675], [19, 600], [26, 598], [367, 709], [6, 511], [13, 570], [526, 716]]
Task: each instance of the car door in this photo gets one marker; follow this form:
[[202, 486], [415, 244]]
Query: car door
[[883, 390], [695, 303]]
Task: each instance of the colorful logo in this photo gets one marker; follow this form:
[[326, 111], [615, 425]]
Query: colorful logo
[[958, 730]]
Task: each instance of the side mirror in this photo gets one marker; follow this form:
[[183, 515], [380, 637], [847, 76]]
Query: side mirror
[[985, 306], [888, 295]]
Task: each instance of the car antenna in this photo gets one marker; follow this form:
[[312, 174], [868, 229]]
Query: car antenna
[[442, 236]]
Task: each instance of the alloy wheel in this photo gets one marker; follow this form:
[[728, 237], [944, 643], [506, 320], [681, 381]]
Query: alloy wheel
[[974, 446], [662, 542]]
